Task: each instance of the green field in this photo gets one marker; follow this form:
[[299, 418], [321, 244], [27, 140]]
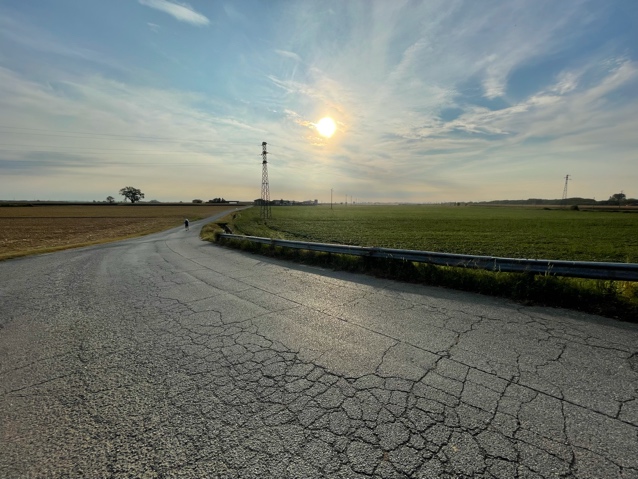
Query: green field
[[516, 232]]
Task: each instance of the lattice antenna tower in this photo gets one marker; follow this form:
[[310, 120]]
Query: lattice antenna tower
[[265, 211], [565, 189]]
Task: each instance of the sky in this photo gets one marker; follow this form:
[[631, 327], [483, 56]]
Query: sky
[[433, 100]]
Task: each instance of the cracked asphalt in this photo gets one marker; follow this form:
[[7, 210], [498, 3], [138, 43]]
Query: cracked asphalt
[[166, 356]]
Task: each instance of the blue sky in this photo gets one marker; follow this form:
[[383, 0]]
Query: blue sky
[[437, 100]]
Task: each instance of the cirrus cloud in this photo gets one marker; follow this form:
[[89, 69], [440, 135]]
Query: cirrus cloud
[[182, 12]]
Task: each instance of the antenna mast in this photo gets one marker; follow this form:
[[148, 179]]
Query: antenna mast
[[265, 212], [565, 189]]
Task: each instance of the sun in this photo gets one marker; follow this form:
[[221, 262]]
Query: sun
[[326, 127]]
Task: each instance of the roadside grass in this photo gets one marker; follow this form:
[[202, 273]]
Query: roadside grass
[[615, 299]]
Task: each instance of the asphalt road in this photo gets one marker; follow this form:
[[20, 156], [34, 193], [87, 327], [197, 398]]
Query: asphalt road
[[166, 356]]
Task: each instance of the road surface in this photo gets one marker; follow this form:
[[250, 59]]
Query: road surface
[[166, 356]]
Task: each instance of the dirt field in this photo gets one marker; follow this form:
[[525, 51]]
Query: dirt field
[[43, 228]]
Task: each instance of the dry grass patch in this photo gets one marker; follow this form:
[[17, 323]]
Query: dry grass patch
[[30, 230]]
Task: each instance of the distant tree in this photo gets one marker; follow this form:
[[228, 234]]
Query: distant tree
[[197, 201], [110, 199], [617, 198], [132, 194]]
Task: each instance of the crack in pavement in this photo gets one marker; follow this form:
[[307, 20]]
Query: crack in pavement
[[193, 379]]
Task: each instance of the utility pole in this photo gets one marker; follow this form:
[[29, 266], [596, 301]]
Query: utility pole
[[264, 212], [330, 198]]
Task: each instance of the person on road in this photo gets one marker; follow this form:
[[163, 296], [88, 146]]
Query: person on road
[[186, 224]]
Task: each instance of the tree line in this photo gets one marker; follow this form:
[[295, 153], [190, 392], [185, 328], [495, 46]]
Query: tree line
[[135, 194]]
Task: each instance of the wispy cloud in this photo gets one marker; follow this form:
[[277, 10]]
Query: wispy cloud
[[181, 12], [144, 134], [433, 100], [288, 54], [33, 38]]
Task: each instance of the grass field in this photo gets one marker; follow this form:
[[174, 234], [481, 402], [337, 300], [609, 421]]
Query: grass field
[[28, 230], [534, 233], [520, 232]]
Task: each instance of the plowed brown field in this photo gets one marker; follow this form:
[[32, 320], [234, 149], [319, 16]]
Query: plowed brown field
[[28, 230]]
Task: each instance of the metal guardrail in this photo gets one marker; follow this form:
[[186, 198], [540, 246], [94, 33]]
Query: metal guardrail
[[574, 269]]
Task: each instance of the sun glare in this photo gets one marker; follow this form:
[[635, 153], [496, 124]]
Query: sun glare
[[326, 127]]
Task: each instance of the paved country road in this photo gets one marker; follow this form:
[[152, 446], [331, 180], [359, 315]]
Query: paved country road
[[166, 356]]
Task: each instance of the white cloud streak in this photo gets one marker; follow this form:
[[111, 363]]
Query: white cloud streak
[[431, 99], [288, 54], [181, 12], [131, 119]]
